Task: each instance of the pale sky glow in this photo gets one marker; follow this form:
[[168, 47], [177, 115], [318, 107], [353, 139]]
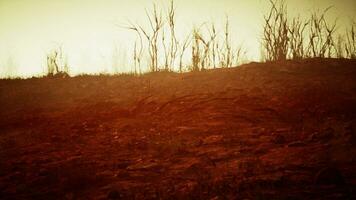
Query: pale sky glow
[[88, 34]]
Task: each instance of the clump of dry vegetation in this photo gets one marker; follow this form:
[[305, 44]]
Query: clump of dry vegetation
[[206, 48], [275, 32], [183, 49], [57, 63], [297, 38], [151, 35], [350, 45], [196, 52], [283, 38], [321, 36], [156, 24], [174, 44], [227, 54]]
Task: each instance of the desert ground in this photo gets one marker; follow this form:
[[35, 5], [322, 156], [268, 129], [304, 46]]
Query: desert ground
[[277, 130]]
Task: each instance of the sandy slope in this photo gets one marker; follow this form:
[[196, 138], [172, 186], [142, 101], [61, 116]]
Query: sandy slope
[[259, 131]]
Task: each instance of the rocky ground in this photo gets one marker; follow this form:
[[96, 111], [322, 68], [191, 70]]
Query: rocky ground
[[283, 130]]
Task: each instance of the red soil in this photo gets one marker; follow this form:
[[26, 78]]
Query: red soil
[[259, 131]]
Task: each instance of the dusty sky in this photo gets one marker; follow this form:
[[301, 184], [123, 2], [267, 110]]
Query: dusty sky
[[88, 34]]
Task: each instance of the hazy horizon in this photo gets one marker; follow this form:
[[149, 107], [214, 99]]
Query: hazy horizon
[[90, 35]]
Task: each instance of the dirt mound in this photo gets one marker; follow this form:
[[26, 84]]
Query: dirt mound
[[258, 131]]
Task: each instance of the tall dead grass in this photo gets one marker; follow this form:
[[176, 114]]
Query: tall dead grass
[[321, 36], [297, 38], [275, 32], [350, 45], [57, 62], [208, 49], [205, 46]]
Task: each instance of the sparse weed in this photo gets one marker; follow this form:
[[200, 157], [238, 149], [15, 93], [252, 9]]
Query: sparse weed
[[275, 32], [296, 38], [57, 62], [350, 45], [321, 36], [205, 47]]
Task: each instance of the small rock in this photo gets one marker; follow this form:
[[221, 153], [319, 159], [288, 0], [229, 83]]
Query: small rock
[[215, 198], [278, 139], [312, 137], [114, 194], [213, 139], [282, 130], [323, 136], [329, 176], [106, 173], [296, 144]]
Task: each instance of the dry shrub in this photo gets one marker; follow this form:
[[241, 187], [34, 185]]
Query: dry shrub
[[196, 52], [296, 38], [206, 49], [138, 49], [174, 44], [350, 45], [155, 31], [137, 57], [339, 46], [57, 62], [283, 39], [151, 35], [184, 47], [156, 24], [214, 45], [321, 36], [210, 50], [202, 48], [170, 46], [227, 56], [275, 32]]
